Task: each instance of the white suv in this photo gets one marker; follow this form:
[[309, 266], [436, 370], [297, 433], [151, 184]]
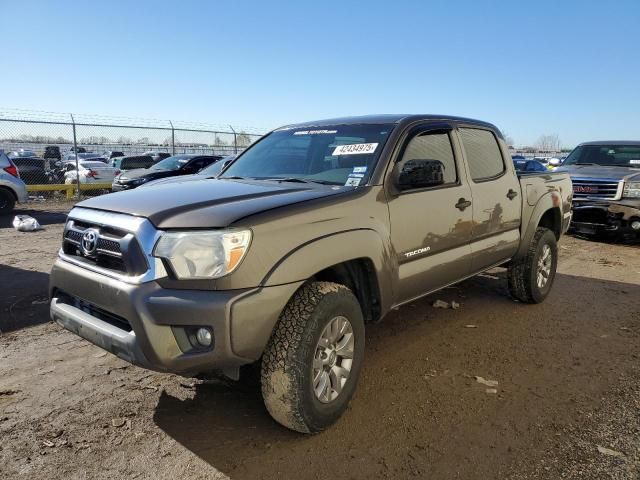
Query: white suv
[[12, 189]]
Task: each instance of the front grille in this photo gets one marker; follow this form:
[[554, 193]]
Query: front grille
[[115, 249], [591, 188]]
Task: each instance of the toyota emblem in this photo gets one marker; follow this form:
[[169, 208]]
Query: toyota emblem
[[89, 242]]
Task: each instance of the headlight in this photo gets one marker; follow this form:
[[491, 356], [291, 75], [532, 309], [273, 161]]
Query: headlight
[[137, 181], [631, 190], [203, 255]]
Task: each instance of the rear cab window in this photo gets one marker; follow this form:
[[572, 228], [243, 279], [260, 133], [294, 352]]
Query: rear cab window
[[483, 153]]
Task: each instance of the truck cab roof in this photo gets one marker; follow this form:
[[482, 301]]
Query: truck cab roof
[[389, 118]]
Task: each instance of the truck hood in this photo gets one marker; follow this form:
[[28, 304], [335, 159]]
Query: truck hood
[[601, 172], [208, 203]]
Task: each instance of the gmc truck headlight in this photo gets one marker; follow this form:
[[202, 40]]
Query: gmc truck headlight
[[631, 190], [203, 255]]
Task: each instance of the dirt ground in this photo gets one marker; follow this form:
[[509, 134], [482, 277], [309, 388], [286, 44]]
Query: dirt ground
[[567, 402]]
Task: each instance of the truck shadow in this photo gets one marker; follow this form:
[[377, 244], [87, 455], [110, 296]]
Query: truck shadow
[[430, 414], [17, 309], [44, 217]]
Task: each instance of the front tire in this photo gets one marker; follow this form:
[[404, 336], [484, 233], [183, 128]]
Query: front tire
[[531, 277], [311, 365]]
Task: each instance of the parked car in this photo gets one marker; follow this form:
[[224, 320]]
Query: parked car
[[71, 157], [169, 167], [554, 162], [211, 171], [12, 189], [80, 150], [32, 170], [131, 162], [52, 152], [22, 153], [90, 171], [523, 166], [157, 156], [111, 154], [606, 187], [312, 232]]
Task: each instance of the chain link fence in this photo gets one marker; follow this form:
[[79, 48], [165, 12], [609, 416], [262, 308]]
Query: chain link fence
[[75, 155]]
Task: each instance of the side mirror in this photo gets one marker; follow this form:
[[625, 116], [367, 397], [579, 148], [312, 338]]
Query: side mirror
[[420, 174], [57, 164]]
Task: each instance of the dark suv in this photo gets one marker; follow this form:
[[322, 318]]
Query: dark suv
[[169, 167]]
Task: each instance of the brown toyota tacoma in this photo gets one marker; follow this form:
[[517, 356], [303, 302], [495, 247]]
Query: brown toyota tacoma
[[315, 231]]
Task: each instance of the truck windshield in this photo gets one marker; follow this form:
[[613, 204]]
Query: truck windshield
[[605, 155], [332, 155]]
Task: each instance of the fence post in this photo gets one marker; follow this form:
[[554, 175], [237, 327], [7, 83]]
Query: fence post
[[75, 148], [235, 140], [173, 138]]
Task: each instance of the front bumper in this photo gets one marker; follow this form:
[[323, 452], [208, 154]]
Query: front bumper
[[140, 322], [606, 216]]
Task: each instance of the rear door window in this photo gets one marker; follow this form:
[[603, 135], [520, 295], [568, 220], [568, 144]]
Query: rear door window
[[483, 153]]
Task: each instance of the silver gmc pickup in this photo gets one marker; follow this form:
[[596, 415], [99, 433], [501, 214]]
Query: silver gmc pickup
[[313, 232]]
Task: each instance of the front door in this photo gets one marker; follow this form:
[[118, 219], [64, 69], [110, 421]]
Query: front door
[[431, 227]]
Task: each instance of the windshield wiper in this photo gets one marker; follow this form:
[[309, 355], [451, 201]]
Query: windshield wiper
[[286, 179], [235, 177], [300, 180]]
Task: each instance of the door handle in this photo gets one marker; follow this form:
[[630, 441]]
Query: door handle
[[511, 194], [462, 204]]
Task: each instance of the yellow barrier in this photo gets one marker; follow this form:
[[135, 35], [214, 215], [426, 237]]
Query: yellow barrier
[[69, 188]]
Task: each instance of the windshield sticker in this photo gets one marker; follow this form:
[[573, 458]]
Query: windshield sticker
[[315, 132], [352, 182], [356, 175], [634, 162], [355, 149], [359, 169]]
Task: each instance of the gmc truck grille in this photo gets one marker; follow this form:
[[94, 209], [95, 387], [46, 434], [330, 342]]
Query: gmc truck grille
[[104, 246], [596, 189]]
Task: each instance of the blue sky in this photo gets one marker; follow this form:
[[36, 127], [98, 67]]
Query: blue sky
[[532, 68]]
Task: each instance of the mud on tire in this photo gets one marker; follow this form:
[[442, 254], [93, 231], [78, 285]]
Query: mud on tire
[[287, 362], [523, 273]]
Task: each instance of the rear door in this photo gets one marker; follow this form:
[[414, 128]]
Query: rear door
[[431, 227], [495, 188]]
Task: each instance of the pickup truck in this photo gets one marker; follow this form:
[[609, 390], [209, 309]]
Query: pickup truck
[[606, 187], [314, 231]]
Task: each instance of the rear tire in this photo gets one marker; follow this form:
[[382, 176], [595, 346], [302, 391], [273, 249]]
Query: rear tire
[[7, 202], [531, 277], [311, 365]]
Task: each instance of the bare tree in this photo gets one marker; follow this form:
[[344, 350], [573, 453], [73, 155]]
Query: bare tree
[[243, 139], [549, 143], [507, 139]]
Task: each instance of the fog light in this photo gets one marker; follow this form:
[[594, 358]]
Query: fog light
[[204, 337], [635, 224]]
